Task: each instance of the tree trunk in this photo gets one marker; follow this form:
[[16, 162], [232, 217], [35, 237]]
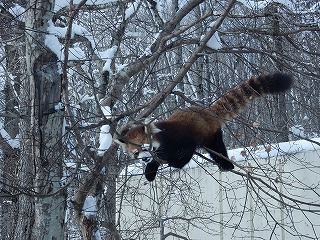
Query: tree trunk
[[279, 101], [23, 229], [47, 150], [113, 170], [10, 32], [42, 213]]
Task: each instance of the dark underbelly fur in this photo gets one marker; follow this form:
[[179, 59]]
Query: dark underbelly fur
[[177, 152]]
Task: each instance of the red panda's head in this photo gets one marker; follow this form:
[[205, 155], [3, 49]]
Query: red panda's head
[[139, 140]]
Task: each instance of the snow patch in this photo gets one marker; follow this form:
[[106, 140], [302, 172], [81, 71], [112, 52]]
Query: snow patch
[[273, 150], [85, 98], [73, 165], [215, 42], [13, 142], [89, 208], [59, 107], [53, 43], [106, 111], [105, 137], [18, 12], [147, 51], [262, 4], [131, 9], [108, 56], [297, 130], [59, 4]]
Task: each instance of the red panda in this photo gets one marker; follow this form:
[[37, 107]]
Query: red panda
[[174, 140]]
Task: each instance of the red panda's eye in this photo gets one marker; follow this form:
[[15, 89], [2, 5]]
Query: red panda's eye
[[135, 153]]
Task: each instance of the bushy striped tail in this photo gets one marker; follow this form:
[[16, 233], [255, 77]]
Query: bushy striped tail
[[236, 100], [270, 84]]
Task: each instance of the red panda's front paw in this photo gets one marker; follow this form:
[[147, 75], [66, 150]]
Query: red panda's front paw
[[225, 166], [151, 170]]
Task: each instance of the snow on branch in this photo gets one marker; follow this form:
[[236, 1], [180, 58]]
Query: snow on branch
[[131, 9], [89, 208], [60, 4], [214, 42], [14, 143], [105, 137], [263, 4], [108, 56], [53, 43], [18, 12]]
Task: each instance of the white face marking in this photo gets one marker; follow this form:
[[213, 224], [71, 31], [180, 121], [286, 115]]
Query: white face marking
[[154, 129], [145, 157], [145, 147], [155, 145]]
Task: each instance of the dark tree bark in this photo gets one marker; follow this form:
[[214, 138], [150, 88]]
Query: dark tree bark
[[279, 101]]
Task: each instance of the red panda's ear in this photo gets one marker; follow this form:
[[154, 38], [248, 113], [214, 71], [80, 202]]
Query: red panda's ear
[[151, 128]]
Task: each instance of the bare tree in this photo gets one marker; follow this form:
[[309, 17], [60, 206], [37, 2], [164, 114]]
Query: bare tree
[[75, 73]]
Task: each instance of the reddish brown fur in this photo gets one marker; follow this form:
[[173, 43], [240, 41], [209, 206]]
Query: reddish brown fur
[[201, 122], [136, 137]]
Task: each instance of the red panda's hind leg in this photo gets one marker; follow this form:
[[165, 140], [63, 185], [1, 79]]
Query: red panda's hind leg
[[216, 144]]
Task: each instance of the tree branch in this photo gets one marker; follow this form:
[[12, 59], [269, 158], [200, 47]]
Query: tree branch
[[160, 97]]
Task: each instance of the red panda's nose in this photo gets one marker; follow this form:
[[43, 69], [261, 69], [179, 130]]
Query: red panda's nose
[[146, 159]]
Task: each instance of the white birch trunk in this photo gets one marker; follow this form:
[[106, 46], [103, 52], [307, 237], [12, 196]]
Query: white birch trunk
[[42, 154]]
